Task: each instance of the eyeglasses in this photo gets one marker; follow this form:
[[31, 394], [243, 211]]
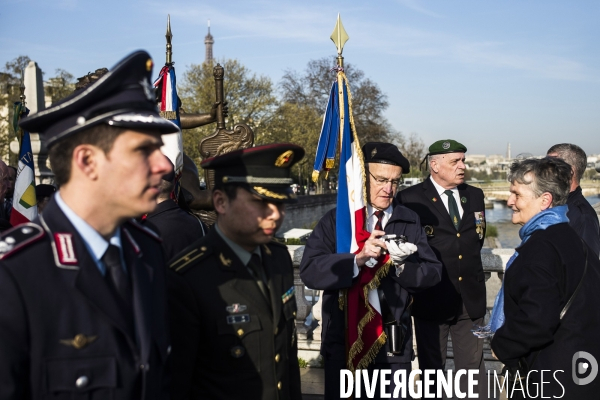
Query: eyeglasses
[[383, 181]]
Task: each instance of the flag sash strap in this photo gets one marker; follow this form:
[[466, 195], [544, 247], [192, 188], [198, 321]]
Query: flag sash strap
[[364, 322]]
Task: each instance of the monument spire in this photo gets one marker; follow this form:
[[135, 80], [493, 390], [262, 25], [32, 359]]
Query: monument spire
[[208, 42]]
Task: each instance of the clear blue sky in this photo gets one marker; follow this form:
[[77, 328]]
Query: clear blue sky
[[483, 72]]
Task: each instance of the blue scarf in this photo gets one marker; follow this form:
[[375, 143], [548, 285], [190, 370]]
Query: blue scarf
[[540, 221]]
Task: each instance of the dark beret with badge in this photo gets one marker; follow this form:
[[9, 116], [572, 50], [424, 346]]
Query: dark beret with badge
[[385, 153], [446, 146], [123, 97], [262, 170]]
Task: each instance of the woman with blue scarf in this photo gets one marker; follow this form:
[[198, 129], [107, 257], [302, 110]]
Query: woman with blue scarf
[[546, 269]]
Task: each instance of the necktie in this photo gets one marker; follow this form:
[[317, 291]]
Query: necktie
[[258, 271], [453, 208], [117, 277], [379, 222]]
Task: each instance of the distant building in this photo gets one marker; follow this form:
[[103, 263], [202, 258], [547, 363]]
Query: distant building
[[208, 42]]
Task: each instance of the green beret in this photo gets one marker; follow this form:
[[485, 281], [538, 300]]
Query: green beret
[[446, 146]]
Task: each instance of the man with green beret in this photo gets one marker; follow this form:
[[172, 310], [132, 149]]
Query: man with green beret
[[453, 216]]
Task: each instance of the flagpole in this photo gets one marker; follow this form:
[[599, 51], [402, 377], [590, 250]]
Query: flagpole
[[22, 97], [169, 37], [339, 38]]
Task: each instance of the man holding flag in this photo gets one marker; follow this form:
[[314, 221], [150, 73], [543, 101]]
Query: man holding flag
[[376, 332]]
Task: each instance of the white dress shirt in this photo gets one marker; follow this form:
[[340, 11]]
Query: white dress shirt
[[444, 197]]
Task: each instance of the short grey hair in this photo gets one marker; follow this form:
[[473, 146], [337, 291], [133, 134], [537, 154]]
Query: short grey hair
[[549, 174], [572, 155]]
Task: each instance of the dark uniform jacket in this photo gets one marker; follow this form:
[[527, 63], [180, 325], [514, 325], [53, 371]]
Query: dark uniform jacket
[[537, 286], [62, 332], [583, 218], [324, 269], [177, 228], [228, 342], [463, 280]]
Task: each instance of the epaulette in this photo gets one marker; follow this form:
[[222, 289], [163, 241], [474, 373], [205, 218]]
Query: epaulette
[[18, 238], [195, 254], [147, 231]]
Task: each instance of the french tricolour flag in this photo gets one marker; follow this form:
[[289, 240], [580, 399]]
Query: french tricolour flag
[[166, 84], [365, 335], [24, 199]]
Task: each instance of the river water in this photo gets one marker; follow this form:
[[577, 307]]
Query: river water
[[508, 234]]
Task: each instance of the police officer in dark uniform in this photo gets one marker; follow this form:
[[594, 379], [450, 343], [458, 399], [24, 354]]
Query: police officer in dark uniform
[[231, 293], [83, 287], [453, 216]]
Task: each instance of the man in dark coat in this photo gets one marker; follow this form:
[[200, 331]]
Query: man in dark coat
[[82, 288], [582, 216], [453, 216], [325, 269], [232, 298], [177, 228]]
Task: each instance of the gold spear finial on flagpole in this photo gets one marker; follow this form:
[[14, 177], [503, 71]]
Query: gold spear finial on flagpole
[[339, 37], [169, 36]]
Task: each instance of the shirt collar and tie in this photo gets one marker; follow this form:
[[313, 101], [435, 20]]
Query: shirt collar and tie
[[252, 261], [94, 242], [372, 219], [451, 200]]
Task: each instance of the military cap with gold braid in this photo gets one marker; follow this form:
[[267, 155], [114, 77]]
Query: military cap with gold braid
[[263, 170], [124, 97]]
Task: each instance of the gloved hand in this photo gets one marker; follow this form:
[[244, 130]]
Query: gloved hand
[[399, 252]]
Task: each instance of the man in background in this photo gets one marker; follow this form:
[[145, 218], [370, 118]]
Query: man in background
[[453, 216], [582, 216], [4, 188], [8, 196], [177, 228], [43, 194]]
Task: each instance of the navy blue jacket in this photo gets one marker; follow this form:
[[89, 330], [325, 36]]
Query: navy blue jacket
[[177, 228], [52, 293], [584, 219], [537, 286], [463, 279], [322, 268]]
